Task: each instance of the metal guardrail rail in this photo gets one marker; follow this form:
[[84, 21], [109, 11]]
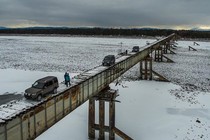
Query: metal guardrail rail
[[32, 121]]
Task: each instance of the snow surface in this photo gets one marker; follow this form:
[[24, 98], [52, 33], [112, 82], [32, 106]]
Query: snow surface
[[191, 70], [148, 110], [59, 54]]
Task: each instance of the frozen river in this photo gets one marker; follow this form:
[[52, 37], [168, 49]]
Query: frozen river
[[168, 110], [77, 54]]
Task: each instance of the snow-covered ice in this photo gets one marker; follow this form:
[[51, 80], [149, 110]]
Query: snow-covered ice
[[59, 54]]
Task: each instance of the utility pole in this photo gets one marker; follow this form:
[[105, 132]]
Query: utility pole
[[121, 47]]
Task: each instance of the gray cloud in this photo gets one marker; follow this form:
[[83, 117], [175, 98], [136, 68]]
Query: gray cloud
[[105, 13]]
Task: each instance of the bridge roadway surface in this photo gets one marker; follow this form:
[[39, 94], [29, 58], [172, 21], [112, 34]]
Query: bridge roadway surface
[[18, 116]]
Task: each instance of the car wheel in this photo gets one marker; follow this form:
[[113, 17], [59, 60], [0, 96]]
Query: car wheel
[[39, 98], [55, 90]]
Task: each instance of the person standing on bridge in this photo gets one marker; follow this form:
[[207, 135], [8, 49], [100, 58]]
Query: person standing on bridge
[[67, 79]]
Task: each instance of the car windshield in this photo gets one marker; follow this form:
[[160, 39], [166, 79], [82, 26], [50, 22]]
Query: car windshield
[[38, 85], [106, 58]]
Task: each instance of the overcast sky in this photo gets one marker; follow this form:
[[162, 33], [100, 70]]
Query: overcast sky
[[106, 13]]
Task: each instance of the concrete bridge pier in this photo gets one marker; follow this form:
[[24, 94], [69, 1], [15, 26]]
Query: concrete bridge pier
[[146, 68], [110, 97]]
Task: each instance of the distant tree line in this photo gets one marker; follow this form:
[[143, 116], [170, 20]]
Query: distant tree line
[[109, 32]]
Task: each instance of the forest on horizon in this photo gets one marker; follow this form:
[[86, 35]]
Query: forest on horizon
[[109, 32]]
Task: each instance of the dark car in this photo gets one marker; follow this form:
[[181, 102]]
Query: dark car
[[42, 87], [108, 60], [135, 49]]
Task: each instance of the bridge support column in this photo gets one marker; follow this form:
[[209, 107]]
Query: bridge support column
[[159, 54], [146, 68], [165, 48], [111, 120], [101, 119], [91, 118], [105, 96]]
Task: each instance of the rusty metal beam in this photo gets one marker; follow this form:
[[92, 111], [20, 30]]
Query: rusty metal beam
[[141, 69], [191, 48], [91, 118], [159, 54], [101, 119], [121, 134], [171, 52], [111, 120], [97, 127], [146, 71], [150, 67], [168, 59], [161, 78]]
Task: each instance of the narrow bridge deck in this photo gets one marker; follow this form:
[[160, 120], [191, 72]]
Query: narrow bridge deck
[[20, 122]]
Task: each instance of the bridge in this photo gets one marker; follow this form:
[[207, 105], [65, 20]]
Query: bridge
[[28, 122]]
